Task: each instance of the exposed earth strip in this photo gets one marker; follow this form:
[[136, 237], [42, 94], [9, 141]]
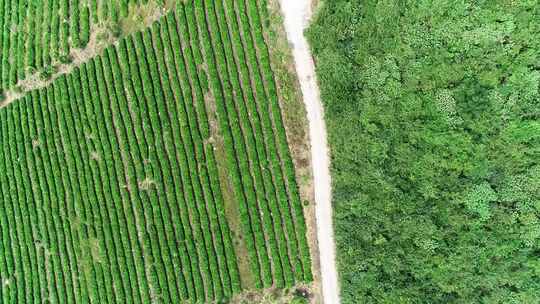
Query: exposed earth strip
[[297, 14]]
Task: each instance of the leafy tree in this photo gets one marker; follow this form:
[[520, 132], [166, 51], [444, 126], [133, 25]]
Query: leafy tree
[[433, 116]]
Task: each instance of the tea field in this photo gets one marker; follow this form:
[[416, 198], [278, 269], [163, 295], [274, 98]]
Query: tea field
[[158, 171]]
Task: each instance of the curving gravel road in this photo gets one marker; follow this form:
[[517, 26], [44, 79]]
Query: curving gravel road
[[297, 14]]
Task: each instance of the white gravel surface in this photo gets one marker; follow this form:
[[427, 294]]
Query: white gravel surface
[[297, 14]]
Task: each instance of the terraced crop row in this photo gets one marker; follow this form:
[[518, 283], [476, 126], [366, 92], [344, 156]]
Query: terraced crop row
[[111, 193], [35, 34], [242, 84], [112, 183]]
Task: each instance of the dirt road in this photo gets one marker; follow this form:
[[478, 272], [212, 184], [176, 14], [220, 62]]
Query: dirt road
[[297, 14]]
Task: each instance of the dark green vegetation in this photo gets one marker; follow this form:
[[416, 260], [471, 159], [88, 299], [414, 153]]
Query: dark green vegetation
[[433, 112], [123, 180]]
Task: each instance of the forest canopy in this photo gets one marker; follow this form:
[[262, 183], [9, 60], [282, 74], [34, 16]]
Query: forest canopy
[[433, 113]]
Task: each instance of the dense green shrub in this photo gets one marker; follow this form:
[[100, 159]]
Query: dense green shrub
[[432, 113]]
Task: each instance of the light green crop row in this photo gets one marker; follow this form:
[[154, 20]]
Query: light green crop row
[[35, 34], [110, 190]]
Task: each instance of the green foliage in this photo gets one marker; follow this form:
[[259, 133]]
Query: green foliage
[[433, 117], [111, 177], [65, 59], [47, 72]]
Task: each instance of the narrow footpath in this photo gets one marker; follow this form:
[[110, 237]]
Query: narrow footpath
[[297, 14]]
